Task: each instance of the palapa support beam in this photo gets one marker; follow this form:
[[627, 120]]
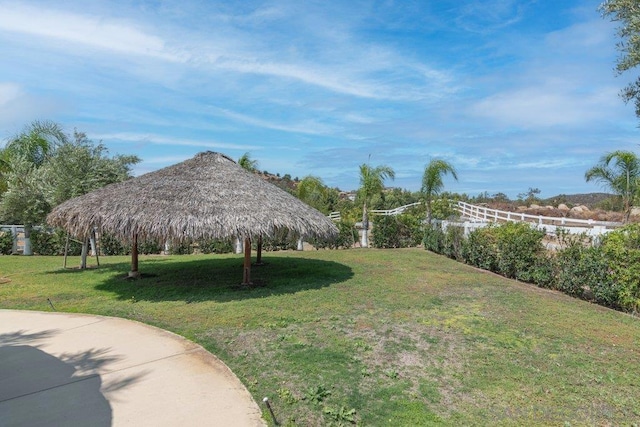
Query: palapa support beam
[[134, 273], [259, 252], [246, 279]]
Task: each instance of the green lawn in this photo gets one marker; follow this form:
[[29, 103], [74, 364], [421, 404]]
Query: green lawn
[[402, 337]]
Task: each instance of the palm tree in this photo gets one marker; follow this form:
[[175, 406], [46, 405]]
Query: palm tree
[[313, 192], [247, 163], [619, 171], [23, 154], [432, 183], [371, 183]]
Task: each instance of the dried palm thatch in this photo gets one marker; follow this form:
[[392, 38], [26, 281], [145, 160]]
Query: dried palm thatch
[[207, 197]]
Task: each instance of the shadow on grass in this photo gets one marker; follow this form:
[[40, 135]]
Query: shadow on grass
[[193, 280]]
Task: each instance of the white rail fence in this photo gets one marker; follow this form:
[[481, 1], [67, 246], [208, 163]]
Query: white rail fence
[[482, 215], [396, 211]]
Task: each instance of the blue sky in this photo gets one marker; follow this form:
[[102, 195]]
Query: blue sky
[[515, 94]]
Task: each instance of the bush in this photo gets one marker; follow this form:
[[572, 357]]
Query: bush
[[47, 242], [347, 237], [110, 245], [518, 246], [453, 242], [212, 246], [401, 231], [6, 243], [622, 251], [433, 239], [184, 247], [282, 241], [481, 249], [583, 272], [150, 247]]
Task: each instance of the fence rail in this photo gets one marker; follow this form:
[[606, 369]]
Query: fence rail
[[481, 213], [396, 211]]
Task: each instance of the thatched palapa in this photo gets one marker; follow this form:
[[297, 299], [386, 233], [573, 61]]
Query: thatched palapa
[[207, 197]]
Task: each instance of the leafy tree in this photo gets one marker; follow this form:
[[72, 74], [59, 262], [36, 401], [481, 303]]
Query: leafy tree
[[44, 167], [313, 192], [432, 183], [23, 199], [371, 184], [619, 171], [531, 196], [79, 167], [247, 163], [627, 13]]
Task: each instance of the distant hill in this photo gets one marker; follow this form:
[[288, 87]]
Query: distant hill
[[590, 200]]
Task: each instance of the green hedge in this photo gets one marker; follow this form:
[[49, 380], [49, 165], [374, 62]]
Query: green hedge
[[47, 242], [607, 274], [401, 231], [347, 237]]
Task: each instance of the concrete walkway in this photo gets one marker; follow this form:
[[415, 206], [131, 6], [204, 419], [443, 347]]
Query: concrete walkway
[[72, 369]]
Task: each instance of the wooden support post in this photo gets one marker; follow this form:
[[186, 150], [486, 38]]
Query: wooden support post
[[83, 255], [134, 257], [259, 252], [246, 277], [66, 251]]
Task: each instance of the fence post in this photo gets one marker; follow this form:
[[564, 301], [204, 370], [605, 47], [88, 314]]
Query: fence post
[[14, 234]]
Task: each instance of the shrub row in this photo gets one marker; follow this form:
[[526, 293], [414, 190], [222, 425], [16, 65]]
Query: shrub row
[[400, 231], [607, 274]]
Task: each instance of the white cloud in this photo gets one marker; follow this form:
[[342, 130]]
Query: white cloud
[[96, 32], [310, 127], [546, 106]]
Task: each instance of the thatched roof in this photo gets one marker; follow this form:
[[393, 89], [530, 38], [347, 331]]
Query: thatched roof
[[208, 196]]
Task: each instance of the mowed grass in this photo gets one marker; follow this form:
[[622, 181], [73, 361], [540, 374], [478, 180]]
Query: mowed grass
[[381, 337]]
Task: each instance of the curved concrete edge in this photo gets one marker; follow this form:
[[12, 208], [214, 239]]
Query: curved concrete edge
[[98, 370]]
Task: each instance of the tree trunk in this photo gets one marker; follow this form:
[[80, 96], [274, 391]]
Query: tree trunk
[[429, 212], [246, 277], [239, 249], [300, 244], [134, 257], [364, 242]]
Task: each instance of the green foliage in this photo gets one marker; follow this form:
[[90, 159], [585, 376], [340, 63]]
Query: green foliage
[[627, 14], [399, 231], [183, 247], [583, 272], [282, 241], [432, 183], [347, 236], [618, 171], [79, 166], [46, 242], [341, 415], [433, 238], [6, 242], [316, 394], [215, 246], [518, 247], [150, 247], [622, 251], [481, 249], [110, 245], [453, 242], [442, 208], [25, 201]]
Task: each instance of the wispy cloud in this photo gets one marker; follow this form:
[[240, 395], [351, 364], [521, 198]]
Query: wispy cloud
[[141, 138], [96, 32]]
